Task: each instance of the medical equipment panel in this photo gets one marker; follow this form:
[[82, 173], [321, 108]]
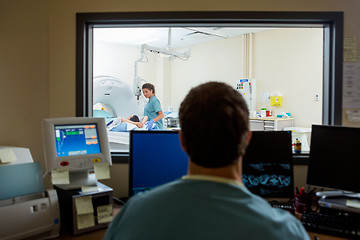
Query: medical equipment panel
[[75, 145], [247, 88]]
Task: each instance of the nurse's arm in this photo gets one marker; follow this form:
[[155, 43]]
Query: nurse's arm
[[160, 116]]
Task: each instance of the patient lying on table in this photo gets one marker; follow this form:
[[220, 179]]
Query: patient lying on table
[[121, 124]]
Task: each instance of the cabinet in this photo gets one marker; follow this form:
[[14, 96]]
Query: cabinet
[[69, 216], [270, 124]]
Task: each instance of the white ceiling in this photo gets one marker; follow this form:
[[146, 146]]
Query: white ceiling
[[159, 37]]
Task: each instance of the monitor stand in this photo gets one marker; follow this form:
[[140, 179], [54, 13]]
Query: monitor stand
[[78, 180], [337, 194]]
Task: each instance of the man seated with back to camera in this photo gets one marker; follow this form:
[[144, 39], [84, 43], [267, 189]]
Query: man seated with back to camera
[[210, 202]]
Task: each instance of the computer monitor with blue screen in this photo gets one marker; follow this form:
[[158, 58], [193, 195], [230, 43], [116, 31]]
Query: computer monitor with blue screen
[[268, 165], [334, 160], [156, 158], [76, 144]]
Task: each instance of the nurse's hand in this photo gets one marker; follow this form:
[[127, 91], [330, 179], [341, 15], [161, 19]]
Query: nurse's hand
[[150, 124]]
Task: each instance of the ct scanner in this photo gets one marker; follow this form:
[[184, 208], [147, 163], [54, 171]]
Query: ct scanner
[[112, 99], [116, 97]]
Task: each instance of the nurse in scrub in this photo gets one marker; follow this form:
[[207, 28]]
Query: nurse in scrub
[[153, 107]]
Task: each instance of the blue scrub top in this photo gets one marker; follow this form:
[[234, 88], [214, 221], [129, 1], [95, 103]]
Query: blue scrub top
[[199, 209], [151, 110]]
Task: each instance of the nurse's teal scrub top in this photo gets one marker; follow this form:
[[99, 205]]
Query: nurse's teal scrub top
[[151, 109]]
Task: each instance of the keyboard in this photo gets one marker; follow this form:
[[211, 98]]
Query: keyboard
[[338, 225]]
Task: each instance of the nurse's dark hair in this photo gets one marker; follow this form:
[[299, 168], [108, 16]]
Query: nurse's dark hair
[[214, 125], [149, 86]]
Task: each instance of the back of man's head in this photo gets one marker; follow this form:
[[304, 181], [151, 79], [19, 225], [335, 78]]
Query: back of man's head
[[214, 125]]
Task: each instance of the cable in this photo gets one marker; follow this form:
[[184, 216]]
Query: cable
[[119, 201], [45, 174]]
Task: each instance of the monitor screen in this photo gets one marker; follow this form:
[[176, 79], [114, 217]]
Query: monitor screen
[[79, 139], [75, 143], [334, 157], [267, 164], [156, 157]]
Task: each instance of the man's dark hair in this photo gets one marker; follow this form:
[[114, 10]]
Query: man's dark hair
[[149, 86], [214, 125]]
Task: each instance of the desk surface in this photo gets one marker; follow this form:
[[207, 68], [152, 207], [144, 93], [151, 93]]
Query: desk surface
[[324, 237], [99, 234]]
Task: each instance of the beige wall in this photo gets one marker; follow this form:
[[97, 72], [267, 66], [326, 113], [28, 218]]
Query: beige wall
[[24, 74], [289, 62], [37, 54], [214, 61]]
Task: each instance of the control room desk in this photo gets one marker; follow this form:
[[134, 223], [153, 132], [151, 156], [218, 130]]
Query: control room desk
[[99, 234], [324, 237]]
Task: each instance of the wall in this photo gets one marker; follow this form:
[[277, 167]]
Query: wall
[[37, 60], [289, 61], [214, 61], [24, 74], [109, 60]]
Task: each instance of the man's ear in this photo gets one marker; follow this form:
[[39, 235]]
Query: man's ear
[[249, 137], [182, 141]]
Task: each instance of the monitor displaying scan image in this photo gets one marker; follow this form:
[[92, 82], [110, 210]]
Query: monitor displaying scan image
[[267, 165], [156, 158]]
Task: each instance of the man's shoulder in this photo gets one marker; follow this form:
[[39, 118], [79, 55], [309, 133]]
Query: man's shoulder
[[209, 203]]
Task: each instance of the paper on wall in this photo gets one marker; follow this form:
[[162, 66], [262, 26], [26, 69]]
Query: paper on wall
[[353, 115], [60, 176], [350, 41], [350, 52], [102, 171], [351, 85]]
